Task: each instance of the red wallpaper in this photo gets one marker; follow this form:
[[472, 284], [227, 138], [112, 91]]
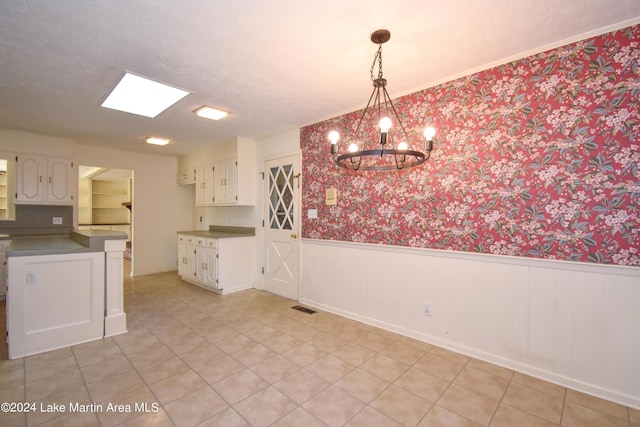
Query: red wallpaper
[[536, 158]]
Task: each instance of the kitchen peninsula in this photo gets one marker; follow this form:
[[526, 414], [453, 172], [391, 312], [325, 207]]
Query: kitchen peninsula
[[64, 289]]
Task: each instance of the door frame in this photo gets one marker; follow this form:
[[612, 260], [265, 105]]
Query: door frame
[[297, 213]]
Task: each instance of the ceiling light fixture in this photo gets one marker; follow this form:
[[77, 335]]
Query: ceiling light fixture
[[210, 113], [157, 141], [142, 96], [377, 120]]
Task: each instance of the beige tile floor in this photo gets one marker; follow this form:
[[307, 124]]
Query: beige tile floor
[[197, 358]]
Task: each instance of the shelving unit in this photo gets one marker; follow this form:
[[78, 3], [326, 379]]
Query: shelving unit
[[84, 201], [107, 198]]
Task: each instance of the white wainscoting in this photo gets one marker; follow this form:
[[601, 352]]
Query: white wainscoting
[[574, 324]]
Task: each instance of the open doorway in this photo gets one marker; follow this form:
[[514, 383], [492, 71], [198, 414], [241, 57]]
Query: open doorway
[[105, 202]]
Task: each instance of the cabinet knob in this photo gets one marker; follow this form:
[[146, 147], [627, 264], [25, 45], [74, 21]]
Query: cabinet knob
[[294, 236]]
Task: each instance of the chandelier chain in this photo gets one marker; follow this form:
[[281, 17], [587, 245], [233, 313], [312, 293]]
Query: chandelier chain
[[377, 58]]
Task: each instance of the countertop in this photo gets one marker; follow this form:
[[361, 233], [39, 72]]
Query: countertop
[[53, 244], [222, 231]]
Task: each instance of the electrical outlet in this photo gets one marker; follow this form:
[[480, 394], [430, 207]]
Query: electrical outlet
[[32, 278], [427, 309], [57, 220]]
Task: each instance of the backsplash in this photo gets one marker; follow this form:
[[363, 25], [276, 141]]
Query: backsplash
[[536, 158], [38, 219]]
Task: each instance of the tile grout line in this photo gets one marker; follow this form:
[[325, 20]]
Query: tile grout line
[[84, 381], [500, 402], [564, 405]]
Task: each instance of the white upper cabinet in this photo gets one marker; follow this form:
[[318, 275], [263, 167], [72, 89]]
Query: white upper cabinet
[[45, 180], [31, 179], [61, 180], [225, 175], [229, 179], [187, 176], [204, 185]]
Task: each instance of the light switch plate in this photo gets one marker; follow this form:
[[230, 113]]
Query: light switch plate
[[331, 197]]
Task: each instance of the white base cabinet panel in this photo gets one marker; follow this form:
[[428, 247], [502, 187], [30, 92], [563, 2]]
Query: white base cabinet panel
[[220, 265], [54, 301]]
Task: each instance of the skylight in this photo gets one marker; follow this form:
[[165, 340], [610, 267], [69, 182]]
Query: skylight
[[139, 95]]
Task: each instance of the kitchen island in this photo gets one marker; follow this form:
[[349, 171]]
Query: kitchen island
[[64, 289]]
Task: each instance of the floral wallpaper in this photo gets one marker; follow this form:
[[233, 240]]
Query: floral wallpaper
[[536, 158]]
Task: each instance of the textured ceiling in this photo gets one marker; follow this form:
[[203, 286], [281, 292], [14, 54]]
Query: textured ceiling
[[275, 65]]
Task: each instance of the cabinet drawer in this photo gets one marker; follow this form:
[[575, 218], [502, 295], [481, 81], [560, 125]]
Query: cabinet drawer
[[212, 243], [201, 242], [191, 240], [182, 239]]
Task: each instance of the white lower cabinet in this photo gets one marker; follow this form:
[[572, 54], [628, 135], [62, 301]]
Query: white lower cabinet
[[222, 265], [210, 263], [182, 255]]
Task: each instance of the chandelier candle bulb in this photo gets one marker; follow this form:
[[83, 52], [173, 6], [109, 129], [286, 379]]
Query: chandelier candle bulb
[[429, 133], [334, 136], [385, 124]]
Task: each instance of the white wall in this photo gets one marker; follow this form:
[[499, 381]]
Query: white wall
[[34, 143], [161, 207], [574, 324]]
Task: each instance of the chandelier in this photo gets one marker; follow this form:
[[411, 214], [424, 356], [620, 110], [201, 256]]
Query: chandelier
[[371, 147]]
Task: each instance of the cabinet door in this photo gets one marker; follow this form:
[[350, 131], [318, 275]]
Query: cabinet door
[[204, 186], [30, 183], [201, 264], [224, 179], [200, 186], [182, 257], [230, 179], [218, 183], [191, 259], [211, 276], [60, 180], [186, 177]]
